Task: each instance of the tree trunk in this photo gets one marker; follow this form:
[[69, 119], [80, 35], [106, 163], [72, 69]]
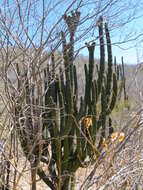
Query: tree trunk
[[33, 176]]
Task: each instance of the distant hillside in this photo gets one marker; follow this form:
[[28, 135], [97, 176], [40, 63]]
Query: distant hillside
[[130, 73]]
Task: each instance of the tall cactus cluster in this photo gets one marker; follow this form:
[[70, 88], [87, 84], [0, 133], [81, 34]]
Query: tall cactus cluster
[[67, 126], [120, 70]]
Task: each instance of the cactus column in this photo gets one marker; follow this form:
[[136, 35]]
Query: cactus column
[[68, 128]]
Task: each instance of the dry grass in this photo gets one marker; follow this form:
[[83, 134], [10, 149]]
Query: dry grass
[[119, 167]]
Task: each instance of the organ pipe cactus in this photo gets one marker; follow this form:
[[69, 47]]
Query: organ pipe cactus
[[69, 127], [70, 148]]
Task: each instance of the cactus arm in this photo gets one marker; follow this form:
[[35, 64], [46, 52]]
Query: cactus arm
[[115, 65], [90, 75], [109, 72], [124, 79], [103, 111], [102, 56], [86, 97], [75, 82], [114, 95]]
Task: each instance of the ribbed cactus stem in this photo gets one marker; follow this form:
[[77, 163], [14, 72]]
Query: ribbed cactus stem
[[102, 55], [115, 64], [109, 73], [91, 48], [114, 95], [124, 79]]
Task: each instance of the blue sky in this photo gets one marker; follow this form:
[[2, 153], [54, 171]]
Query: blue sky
[[132, 55], [132, 50], [115, 15], [127, 40]]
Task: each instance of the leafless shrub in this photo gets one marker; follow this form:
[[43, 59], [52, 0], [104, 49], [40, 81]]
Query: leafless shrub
[[29, 35]]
